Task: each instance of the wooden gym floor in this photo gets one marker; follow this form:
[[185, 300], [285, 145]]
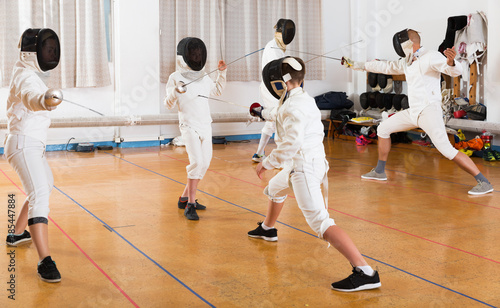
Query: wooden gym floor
[[120, 241]]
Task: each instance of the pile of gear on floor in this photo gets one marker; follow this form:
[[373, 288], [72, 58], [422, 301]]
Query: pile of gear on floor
[[459, 108], [479, 146]]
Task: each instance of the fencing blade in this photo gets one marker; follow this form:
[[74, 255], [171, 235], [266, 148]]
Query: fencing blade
[[223, 101], [83, 107], [310, 53], [334, 50], [227, 64]]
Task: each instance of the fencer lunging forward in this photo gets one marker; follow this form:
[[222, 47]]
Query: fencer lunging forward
[[301, 154], [28, 107], [275, 49], [194, 114], [423, 70]]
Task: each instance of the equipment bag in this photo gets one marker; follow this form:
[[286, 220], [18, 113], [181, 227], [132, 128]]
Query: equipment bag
[[333, 100], [476, 112], [343, 115]]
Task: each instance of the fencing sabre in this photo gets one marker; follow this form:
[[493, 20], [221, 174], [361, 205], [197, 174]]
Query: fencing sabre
[[53, 97], [182, 87], [221, 25], [334, 50], [83, 107], [310, 53], [220, 100]]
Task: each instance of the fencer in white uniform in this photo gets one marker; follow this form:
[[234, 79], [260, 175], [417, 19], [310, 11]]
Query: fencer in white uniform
[[275, 49], [301, 155], [28, 107], [422, 69], [194, 114]]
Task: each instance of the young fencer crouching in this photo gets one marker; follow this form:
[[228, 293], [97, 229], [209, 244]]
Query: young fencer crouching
[[194, 114], [28, 107], [301, 155]]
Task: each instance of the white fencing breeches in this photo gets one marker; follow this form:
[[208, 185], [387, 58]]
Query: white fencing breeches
[[305, 180], [27, 156], [199, 149], [269, 128], [430, 120]]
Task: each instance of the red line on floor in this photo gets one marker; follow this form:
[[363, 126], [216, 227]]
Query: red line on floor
[[420, 190], [419, 237], [79, 248]]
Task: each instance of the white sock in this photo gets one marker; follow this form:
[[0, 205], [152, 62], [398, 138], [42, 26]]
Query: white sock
[[264, 139], [367, 269], [265, 227]]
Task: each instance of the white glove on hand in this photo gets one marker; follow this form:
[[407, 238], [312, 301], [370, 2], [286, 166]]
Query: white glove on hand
[[357, 66], [180, 88], [53, 97]]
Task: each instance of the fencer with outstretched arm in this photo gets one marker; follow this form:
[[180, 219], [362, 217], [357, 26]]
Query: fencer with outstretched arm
[[422, 68], [28, 107]]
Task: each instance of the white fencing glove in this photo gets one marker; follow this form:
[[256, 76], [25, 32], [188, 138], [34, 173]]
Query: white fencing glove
[[53, 97], [357, 66]]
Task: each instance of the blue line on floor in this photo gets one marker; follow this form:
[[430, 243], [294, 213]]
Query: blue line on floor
[[421, 278], [140, 251]]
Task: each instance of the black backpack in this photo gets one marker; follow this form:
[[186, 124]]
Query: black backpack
[[333, 100]]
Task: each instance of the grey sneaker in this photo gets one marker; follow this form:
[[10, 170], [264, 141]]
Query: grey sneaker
[[481, 188], [372, 175]]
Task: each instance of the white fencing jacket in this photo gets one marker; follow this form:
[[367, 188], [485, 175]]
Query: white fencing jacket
[[423, 76], [271, 52], [26, 111], [299, 131], [194, 111]]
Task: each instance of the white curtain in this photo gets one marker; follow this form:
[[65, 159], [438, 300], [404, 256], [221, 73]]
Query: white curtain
[[247, 27], [183, 18], [80, 27]]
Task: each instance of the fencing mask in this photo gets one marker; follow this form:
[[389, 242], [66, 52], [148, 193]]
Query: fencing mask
[[193, 51], [40, 49], [402, 43], [275, 77], [287, 29]]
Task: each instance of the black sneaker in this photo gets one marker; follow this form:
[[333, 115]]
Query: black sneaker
[[14, 239], [182, 205], [47, 270], [190, 212], [357, 281], [270, 235]]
